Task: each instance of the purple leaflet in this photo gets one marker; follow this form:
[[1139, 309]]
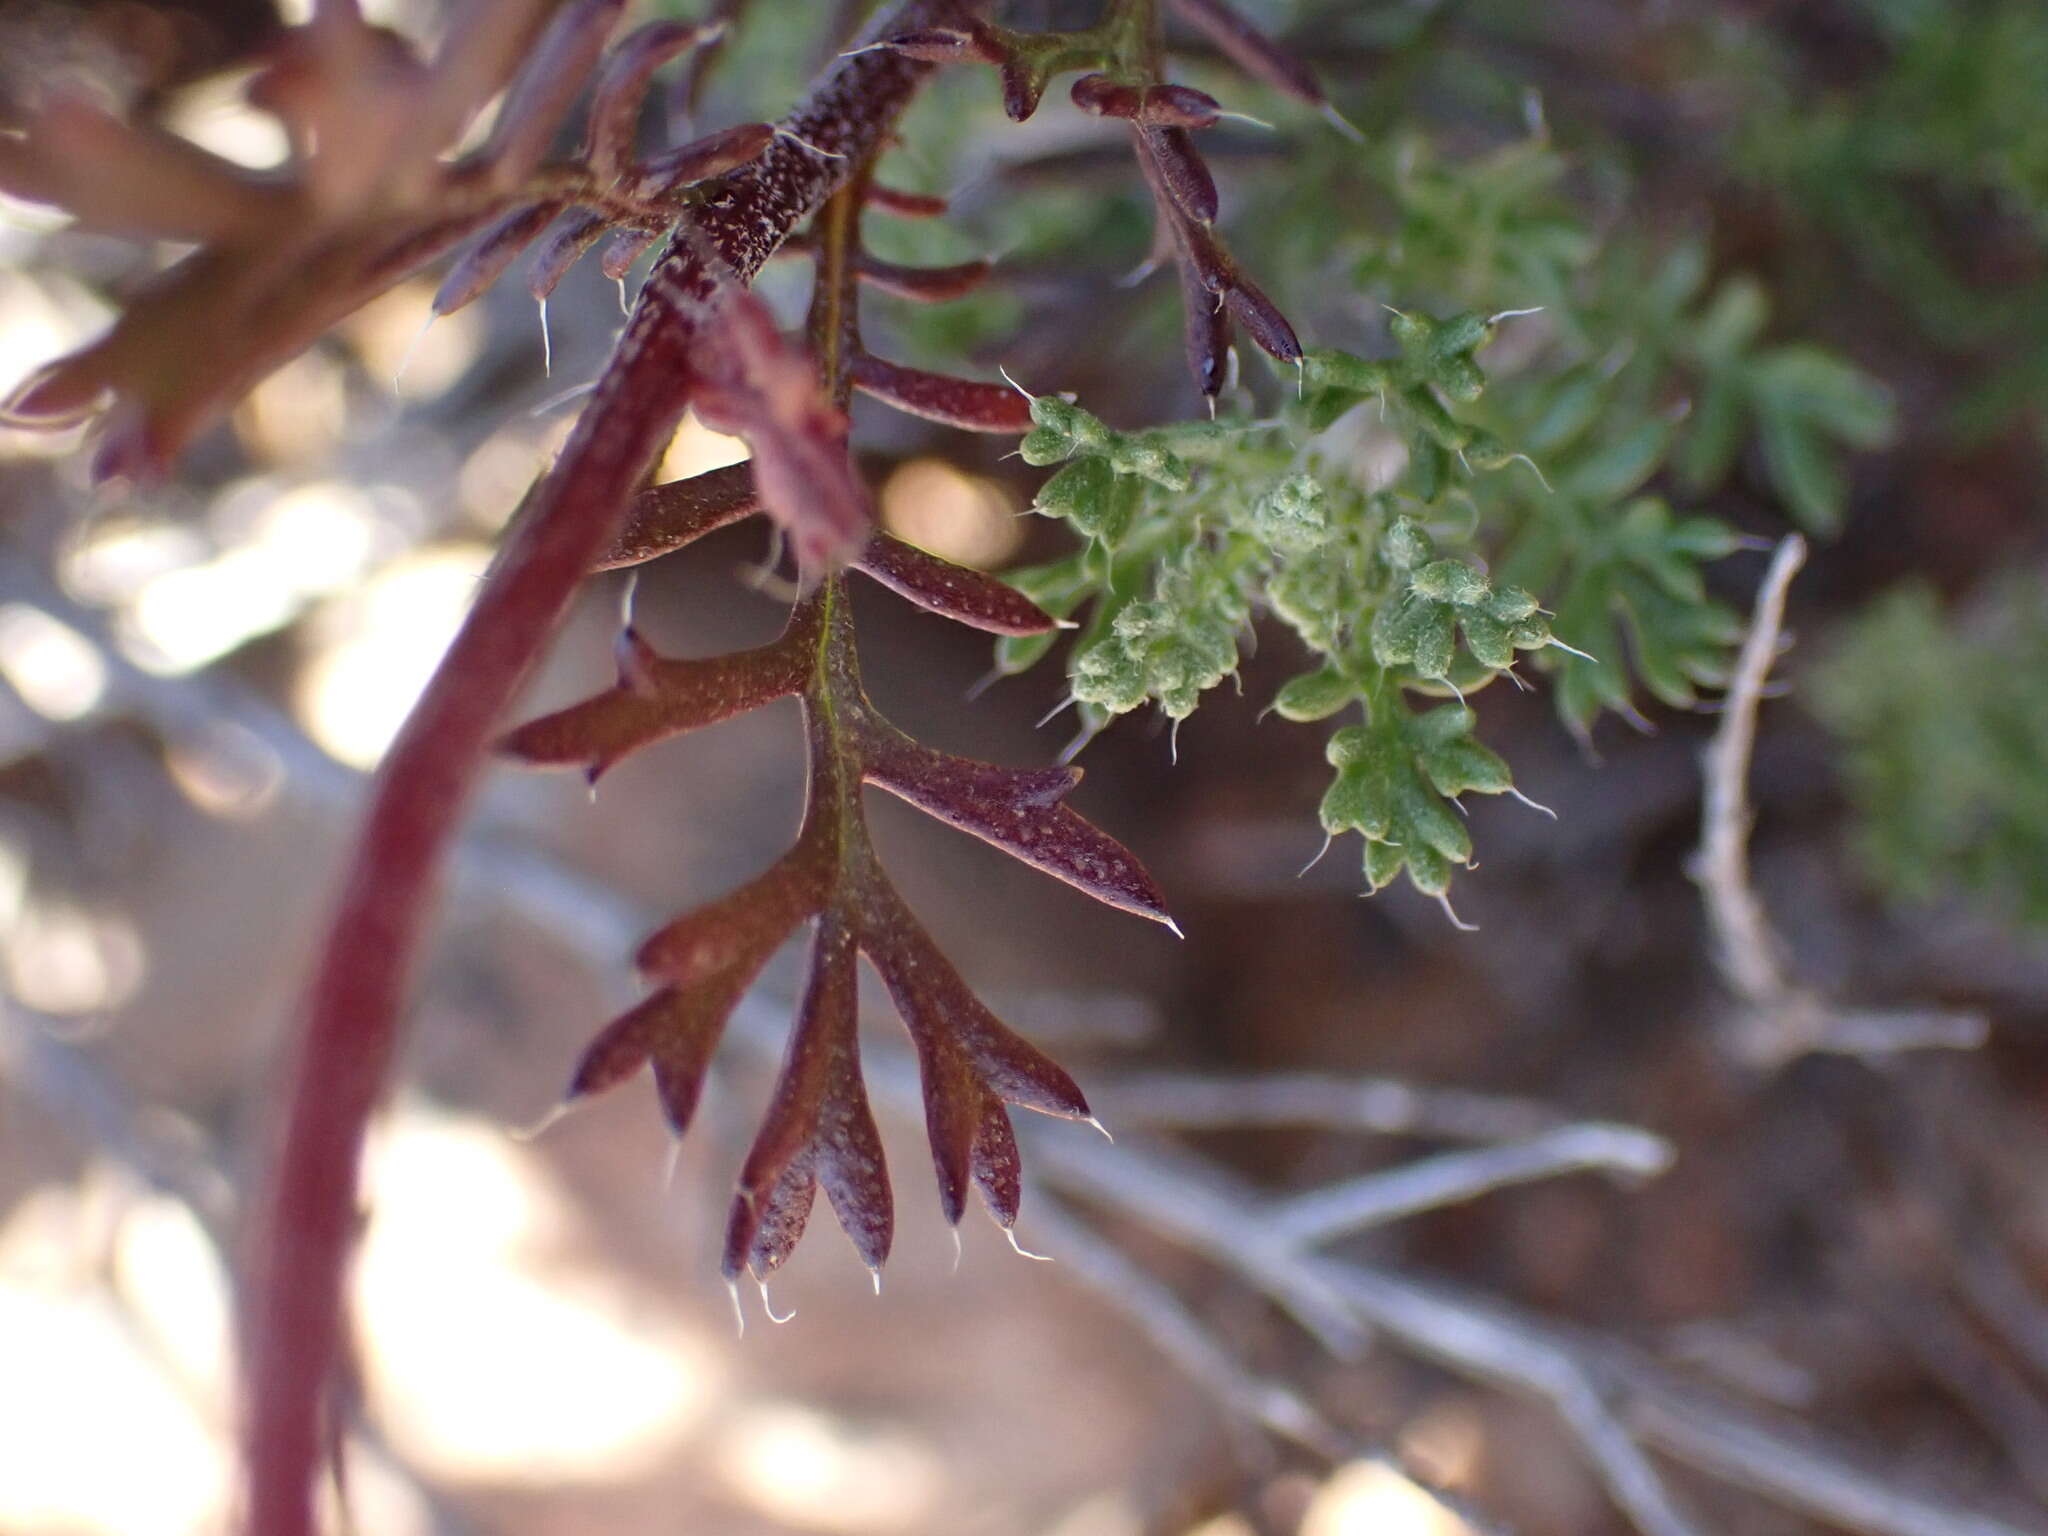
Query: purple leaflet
[[485, 261], [925, 285], [623, 249], [59, 394], [1262, 320], [1206, 333], [673, 1029], [1182, 171], [666, 517], [554, 256], [1179, 106], [1019, 811], [946, 45], [818, 1129], [1100, 96], [970, 1063], [541, 93], [963, 403], [656, 697], [132, 179], [759, 386], [905, 205], [699, 160], [1251, 50], [967, 596], [1153, 106], [622, 87], [741, 929]]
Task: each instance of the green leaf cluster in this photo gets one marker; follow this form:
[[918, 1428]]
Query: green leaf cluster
[[1419, 526], [1189, 532], [1919, 166], [1397, 777], [1944, 731]]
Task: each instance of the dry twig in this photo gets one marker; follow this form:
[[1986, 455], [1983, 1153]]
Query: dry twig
[[1190, 1101], [1782, 1020]]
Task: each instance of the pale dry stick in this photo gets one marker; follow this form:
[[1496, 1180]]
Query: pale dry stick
[[1259, 1401], [1179, 1335], [1780, 1019], [2003, 1300], [1783, 1461], [1994, 1392], [1430, 1183], [1614, 1399], [1326, 1101], [1201, 1209], [1746, 947]]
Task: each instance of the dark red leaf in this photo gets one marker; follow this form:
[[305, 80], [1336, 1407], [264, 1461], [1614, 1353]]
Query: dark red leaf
[[741, 929], [925, 285], [998, 1170], [700, 160], [1206, 333], [657, 697], [623, 249], [945, 45], [1100, 96], [1022, 87], [759, 386], [1181, 171], [970, 1062], [1263, 321], [127, 179], [818, 1129], [666, 517], [1019, 811], [963, 403], [675, 1030], [1251, 50], [59, 394], [554, 256], [970, 597], [1179, 106], [547, 83], [905, 205], [495, 249], [134, 448], [622, 86]]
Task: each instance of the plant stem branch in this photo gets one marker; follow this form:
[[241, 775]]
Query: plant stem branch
[[1373, 1199], [307, 1220], [1328, 1101], [1782, 1020], [1748, 949]]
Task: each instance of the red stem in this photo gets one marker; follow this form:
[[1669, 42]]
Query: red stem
[[307, 1219]]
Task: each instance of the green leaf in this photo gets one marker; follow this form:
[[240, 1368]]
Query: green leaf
[[1395, 778], [1804, 473], [1622, 465], [1634, 599], [1839, 399]]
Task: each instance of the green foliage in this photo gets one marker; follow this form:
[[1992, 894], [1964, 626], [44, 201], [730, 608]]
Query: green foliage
[[1637, 571], [1945, 738], [1396, 778], [1193, 530], [1922, 167], [1419, 532]]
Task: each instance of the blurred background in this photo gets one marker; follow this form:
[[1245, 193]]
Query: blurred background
[[1816, 1297]]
